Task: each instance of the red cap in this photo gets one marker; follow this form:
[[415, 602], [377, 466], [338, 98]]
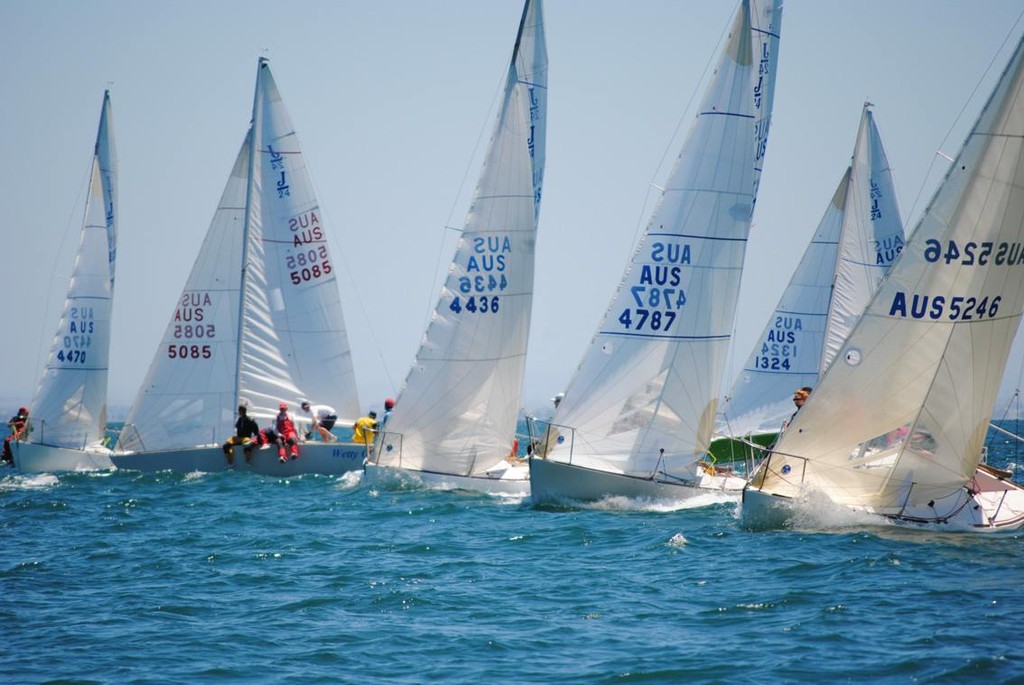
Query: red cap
[[389, 403], [283, 405]]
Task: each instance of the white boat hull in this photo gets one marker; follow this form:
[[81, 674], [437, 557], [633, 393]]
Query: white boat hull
[[32, 457], [330, 459], [991, 502], [514, 480], [553, 481]]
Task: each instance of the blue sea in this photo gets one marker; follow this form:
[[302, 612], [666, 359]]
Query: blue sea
[[232, 578]]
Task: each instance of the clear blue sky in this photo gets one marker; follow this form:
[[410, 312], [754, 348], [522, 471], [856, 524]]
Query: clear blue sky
[[389, 99]]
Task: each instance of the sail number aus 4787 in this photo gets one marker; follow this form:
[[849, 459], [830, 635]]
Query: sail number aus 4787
[[650, 301]]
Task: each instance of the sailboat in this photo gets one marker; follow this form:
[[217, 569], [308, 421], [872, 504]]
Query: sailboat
[[897, 423], [68, 417], [454, 423], [637, 416], [258, 323], [857, 240]]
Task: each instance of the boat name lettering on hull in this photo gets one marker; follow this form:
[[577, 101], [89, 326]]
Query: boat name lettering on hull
[[942, 307]]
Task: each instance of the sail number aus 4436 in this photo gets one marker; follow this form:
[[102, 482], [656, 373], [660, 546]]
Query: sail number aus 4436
[[475, 305]]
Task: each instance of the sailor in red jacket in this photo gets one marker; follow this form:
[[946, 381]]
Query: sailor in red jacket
[[286, 434]]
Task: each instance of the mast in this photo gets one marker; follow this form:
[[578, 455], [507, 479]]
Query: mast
[[243, 279]]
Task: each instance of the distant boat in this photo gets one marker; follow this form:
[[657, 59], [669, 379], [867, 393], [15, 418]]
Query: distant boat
[[68, 416], [637, 417], [896, 425], [856, 242], [259, 321], [455, 420]]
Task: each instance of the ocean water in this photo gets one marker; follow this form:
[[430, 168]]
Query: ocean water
[[170, 578]]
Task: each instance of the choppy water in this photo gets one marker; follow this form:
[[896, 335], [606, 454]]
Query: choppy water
[[228, 577]]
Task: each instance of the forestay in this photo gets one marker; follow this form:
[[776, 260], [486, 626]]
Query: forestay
[[257, 312], [648, 384], [458, 408], [70, 404], [857, 240], [900, 418]]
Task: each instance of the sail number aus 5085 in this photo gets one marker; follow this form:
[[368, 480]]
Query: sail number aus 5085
[[189, 351]]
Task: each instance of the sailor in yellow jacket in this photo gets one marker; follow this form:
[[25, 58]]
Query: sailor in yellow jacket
[[364, 428]]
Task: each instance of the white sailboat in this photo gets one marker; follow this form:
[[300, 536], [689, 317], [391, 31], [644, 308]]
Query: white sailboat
[[637, 417], [259, 321], [897, 424], [68, 416], [455, 419], [855, 243]]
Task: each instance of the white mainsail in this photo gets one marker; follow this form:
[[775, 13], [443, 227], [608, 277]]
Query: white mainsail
[[858, 238], [257, 312], [645, 394], [899, 420], [457, 411], [70, 405]]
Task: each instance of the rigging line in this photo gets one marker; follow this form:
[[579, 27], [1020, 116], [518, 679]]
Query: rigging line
[[671, 147], [353, 284], [440, 262], [939, 153], [44, 348]]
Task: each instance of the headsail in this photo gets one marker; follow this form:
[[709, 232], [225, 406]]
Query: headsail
[[301, 276], [900, 418], [458, 408], [646, 391], [70, 405], [249, 322], [856, 241]]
